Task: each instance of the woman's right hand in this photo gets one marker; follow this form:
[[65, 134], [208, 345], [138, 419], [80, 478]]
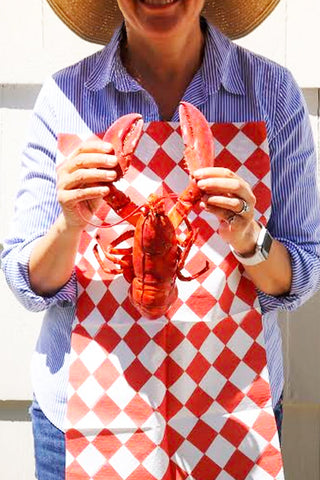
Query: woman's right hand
[[82, 181]]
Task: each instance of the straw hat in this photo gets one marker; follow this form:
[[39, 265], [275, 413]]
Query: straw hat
[[95, 20]]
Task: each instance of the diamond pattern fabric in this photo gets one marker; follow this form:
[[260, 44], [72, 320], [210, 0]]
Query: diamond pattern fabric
[[185, 396]]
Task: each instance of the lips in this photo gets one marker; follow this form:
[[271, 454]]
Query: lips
[[158, 3]]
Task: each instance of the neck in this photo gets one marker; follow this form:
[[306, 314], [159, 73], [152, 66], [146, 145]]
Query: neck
[[175, 58]]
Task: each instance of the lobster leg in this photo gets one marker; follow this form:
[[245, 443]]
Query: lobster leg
[[198, 153], [110, 253], [187, 243]]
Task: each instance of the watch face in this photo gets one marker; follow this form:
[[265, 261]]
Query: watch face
[[266, 245]]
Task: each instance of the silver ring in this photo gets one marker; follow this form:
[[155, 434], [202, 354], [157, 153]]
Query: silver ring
[[245, 207]]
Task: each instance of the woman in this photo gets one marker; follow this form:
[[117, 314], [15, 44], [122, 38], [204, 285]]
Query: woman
[[163, 53]]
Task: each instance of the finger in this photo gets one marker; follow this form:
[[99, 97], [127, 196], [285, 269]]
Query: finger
[[208, 172], [233, 187], [85, 177], [69, 198], [234, 204], [89, 160]]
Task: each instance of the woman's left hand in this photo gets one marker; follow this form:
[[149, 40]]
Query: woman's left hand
[[231, 199]]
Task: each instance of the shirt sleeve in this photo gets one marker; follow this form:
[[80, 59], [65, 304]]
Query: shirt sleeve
[[36, 208], [294, 219]]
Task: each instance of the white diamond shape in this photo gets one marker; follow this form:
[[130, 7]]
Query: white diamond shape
[[121, 392], [183, 388], [92, 356], [211, 348], [220, 451], [213, 382], [240, 342], [241, 147], [253, 445], [153, 392], [216, 417], [173, 146], [183, 422], [91, 460], [146, 148], [177, 179], [124, 462], [123, 427], [119, 288], [184, 354], [125, 353], [146, 183], [93, 322], [187, 456], [152, 356], [243, 377], [90, 391], [121, 322], [157, 463], [89, 423], [154, 427]]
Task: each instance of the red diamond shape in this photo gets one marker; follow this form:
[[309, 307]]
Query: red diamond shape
[[130, 309], [169, 372], [106, 374], [226, 363], [84, 242], [226, 299], [259, 393], [140, 445], [136, 167], [256, 358], [199, 402], [256, 131], [137, 375], [202, 435], [225, 159], [234, 431], [197, 263], [139, 473], [171, 442], [108, 338], [169, 406], [225, 329], [252, 324], [106, 409], [201, 301], [198, 333], [107, 443], [161, 164], [76, 442], [77, 409], [258, 163], [78, 373], [265, 425], [198, 367], [159, 131], [80, 339], [224, 132], [84, 306], [205, 231], [246, 291], [136, 338], [239, 465], [271, 461], [138, 410], [229, 264], [263, 197], [169, 337], [74, 471], [230, 397], [106, 471], [206, 469], [108, 305]]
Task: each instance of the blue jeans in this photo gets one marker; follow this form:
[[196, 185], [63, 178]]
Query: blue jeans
[[49, 443], [49, 446]]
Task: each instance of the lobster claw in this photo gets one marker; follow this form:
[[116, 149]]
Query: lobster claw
[[198, 153], [124, 135], [197, 138]]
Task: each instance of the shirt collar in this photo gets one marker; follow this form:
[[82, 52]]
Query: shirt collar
[[220, 65]]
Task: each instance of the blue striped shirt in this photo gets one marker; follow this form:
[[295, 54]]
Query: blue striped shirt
[[232, 85]]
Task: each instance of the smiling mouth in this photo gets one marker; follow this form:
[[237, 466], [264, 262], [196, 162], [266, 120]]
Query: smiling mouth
[[158, 3]]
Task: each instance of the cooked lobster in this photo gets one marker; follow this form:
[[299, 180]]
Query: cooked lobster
[[158, 255]]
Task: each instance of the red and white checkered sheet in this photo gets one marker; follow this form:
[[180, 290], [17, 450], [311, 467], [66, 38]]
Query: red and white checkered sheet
[[186, 396]]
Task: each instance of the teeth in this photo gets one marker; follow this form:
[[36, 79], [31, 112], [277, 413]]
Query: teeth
[[158, 2]]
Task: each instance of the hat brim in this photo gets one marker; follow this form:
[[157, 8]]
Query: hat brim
[[96, 20]]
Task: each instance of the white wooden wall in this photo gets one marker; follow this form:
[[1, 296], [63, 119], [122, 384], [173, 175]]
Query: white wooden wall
[[34, 43]]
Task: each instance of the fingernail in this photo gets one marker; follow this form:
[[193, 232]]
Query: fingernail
[[107, 147], [198, 173], [201, 183]]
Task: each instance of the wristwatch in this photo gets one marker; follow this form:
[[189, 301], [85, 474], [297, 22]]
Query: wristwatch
[[262, 250]]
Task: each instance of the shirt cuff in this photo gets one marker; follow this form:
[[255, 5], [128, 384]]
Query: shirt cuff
[[17, 274], [305, 280]]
